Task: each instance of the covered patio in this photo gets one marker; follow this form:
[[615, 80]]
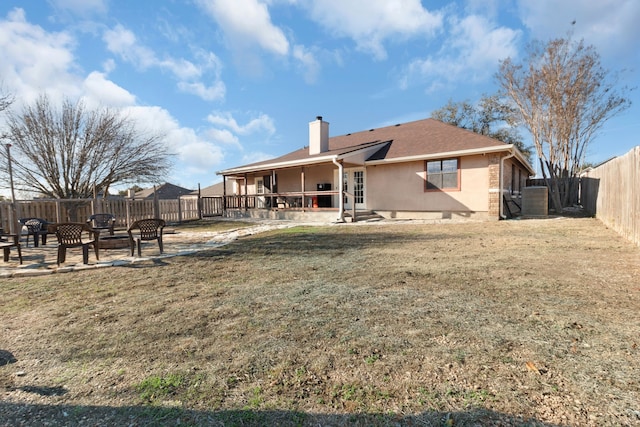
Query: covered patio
[[326, 186]]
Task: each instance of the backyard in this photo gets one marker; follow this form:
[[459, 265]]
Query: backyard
[[532, 322]]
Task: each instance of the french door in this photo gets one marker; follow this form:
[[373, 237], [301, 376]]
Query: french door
[[354, 183]]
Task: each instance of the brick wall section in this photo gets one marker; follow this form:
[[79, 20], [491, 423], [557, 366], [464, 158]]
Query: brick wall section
[[494, 187]]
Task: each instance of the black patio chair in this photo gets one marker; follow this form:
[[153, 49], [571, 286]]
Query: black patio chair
[[70, 235], [36, 227], [102, 221]]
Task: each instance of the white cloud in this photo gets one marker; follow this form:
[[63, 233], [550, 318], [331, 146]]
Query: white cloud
[[227, 131], [247, 23], [308, 63], [195, 153], [262, 123], [223, 136], [200, 157], [181, 68], [480, 44], [81, 7], [471, 52], [208, 93], [255, 156], [610, 25], [97, 87], [33, 60], [123, 43], [372, 22]]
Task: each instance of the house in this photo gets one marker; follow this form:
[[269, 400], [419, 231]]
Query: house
[[215, 190], [424, 169], [165, 191]]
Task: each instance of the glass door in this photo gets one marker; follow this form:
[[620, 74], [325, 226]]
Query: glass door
[[354, 183]]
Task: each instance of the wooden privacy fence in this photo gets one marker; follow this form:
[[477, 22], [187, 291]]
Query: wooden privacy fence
[[126, 211], [611, 192], [564, 186]]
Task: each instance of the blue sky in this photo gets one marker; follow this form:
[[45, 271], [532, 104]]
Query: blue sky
[[235, 81]]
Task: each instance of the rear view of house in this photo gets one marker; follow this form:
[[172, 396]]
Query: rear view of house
[[424, 169]]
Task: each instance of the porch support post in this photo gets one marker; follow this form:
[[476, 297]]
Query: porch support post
[[340, 189], [246, 195], [224, 195], [274, 186], [302, 186]]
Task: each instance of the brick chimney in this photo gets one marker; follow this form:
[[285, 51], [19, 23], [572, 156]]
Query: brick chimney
[[318, 136]]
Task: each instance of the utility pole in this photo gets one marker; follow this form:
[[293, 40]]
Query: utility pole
[[13, 229]]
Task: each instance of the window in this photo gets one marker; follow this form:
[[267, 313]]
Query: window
[[443, 174], [259, 186]]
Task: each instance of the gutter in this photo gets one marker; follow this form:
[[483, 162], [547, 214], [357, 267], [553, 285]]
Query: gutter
[[501, 186], [335, 161]]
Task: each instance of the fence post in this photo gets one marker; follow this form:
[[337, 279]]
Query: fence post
[[199, 204], [59, 211], [156, 203]]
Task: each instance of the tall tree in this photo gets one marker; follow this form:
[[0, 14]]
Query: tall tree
[[491, 116], [563, 96], [67, 152]]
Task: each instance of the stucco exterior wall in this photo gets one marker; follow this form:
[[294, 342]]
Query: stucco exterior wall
[[398, 190], [288, 180], [401, 187]]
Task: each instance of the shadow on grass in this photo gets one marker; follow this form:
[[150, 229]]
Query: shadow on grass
[[6, 357], [69, 415], [287, 242]]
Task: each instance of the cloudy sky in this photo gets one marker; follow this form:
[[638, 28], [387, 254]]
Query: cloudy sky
[[235, 81]]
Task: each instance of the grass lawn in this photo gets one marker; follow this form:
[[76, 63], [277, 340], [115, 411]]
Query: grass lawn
[[481, 323]]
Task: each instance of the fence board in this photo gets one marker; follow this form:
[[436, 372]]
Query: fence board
[[126, 211], [611, 192]]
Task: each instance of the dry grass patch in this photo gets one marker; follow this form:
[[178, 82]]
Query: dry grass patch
[[518, 322]]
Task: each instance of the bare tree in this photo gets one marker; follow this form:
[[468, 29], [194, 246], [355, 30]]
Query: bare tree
[[66, 153], [563, 96], [6, 100], [491, 116]]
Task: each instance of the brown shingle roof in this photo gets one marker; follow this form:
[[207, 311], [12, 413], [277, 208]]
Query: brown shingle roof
[[417, 138], [421, 137], [165, 191]]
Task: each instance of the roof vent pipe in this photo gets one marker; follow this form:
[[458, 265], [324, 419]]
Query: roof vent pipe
[[318, 136]]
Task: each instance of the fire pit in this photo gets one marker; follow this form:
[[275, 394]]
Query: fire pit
[[114, 242]]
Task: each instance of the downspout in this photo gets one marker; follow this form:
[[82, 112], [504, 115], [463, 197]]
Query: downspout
[[500, 187], [341, 188]]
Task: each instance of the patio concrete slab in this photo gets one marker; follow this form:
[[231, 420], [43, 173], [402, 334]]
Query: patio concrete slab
[[42, 260]]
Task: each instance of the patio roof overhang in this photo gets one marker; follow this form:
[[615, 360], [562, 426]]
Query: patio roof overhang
[[355, 155]]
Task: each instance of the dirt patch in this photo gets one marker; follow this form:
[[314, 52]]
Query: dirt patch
[[507, 323]]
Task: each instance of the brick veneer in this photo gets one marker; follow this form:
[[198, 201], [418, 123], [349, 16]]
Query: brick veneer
[[494, 187]]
